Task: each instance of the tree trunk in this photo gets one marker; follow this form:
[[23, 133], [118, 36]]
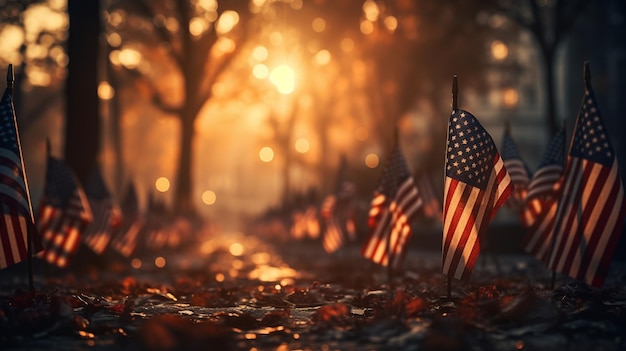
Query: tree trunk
[[183, 202], [551, 114], [82, 125]]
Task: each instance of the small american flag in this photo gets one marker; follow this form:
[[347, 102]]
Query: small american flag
[[591, 205], [106, 214], [64, 213], [517, 169], [541, 205], [549, 169], [127, 237], [16, 220], [395, 203], [432, 195], [338, 213], [477, 184]]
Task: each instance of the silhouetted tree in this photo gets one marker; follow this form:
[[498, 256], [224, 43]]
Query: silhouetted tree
[[168, 25], [82, 126]]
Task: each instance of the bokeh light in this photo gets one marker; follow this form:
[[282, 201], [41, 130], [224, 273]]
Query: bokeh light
[[236, 249], [510, 97], [302, 145], [209, 197], [266, 154], [499, 50], [162, 184], [105, 91], [283, 77], [159, 262], [371, 160]]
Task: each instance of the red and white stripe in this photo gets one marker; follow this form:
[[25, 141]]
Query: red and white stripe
[[589, 220], [467, 212], [390, 220]]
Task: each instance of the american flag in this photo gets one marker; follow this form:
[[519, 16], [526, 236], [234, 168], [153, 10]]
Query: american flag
[[17, 219], [338, 213], [395, 203], [431, 194], [517, 169], [127, 237], [591, 205], [549, 169], [107, 215], [477, 184], [541, 204], [64, 213]]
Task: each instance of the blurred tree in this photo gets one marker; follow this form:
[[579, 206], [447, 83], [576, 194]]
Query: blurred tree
[[198, 39], [386, 57], [549, 23], [82, 125], [32, 36]]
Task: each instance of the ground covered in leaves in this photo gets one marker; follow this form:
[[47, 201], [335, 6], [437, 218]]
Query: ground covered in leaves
[[235, 292]]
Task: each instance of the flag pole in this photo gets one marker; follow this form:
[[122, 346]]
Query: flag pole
[[455, 100], [29, 234], [389, 251]]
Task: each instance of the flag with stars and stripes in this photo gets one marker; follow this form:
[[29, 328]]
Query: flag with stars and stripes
[[477, 185], [591, 206], [337, 211], [395, 203], [517, 169], [107, 215], [127, 237], [540, 207], [63, 214], [17, 219]]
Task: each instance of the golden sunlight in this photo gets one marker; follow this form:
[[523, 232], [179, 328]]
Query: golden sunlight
[[283, 77]]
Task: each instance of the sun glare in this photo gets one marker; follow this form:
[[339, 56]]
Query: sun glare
[[283, 77]]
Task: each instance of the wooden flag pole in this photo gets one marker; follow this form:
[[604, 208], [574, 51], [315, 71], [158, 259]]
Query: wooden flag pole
[[29, 231], [396, 144], [455, 100]]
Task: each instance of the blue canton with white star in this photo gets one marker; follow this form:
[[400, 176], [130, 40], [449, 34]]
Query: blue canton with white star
[[8, 137], [470, 150], [590, 139]]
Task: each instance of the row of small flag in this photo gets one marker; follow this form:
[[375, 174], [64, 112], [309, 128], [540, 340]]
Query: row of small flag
[[68, 214], [572, 207]]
